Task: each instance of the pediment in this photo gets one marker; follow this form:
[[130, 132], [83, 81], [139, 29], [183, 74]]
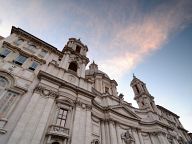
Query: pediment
[[125, 111]]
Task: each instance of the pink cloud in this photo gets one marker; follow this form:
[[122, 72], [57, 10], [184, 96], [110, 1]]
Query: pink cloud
[[133, 42]]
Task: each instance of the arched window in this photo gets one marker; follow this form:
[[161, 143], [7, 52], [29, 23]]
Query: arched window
[[8, 98], [19, 41], [78, 49], [73, 66], [3, 84]]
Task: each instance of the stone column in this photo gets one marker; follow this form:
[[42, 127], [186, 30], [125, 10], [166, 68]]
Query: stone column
[[112, 132], [103, 138], [135, 135], [140, 137]]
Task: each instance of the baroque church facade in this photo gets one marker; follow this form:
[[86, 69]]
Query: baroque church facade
[[48, 97]]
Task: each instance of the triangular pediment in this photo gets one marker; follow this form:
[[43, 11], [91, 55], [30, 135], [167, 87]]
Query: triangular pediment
[[125, 111]]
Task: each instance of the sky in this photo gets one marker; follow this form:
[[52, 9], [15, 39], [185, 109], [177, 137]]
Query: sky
[[150, 38]]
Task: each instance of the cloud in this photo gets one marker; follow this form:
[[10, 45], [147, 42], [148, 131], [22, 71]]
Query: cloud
[[131, 43], [119, 34]]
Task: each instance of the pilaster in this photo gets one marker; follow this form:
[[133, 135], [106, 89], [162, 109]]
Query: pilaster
[[113, 136], [140, 137], [32, 123], [19, 130], [82, 124], [118, 134], [107, 132], [103, 137], [43, 121], [134, 131]]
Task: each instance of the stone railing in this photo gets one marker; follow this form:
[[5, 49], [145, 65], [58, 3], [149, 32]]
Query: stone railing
[[58, 130]]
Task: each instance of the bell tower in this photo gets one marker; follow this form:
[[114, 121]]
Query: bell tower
[[142, 96], [74, 58]]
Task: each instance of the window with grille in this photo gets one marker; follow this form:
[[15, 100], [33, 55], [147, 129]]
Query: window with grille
[[33, 65], [20, 60], [4, 52], [19, 41], [8, 98], [61, 117], [43, 53]]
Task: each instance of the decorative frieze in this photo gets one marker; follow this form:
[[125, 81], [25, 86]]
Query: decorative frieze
[[95, 141], [46, 92], [127, 138], [78, 103]]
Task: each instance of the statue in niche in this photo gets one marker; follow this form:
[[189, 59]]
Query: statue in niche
[[127, 137]]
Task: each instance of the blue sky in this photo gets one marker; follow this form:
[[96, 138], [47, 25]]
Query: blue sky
[[150, 38]]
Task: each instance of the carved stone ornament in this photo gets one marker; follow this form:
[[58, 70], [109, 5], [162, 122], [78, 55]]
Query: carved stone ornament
[[95, 141], [83, 105], [46, 92], [127, 138], [170, 138]]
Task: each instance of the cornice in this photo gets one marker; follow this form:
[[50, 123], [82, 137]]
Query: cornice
[[164, 109], [182, 129], [35, 39], [14, 48], [109, 109], [63, 83], [155, 122]]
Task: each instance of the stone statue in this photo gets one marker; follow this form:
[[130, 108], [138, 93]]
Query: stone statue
[[127, 137]]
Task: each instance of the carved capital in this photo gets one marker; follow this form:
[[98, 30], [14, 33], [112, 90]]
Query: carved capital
[[43, 91], [127, 138], [82, 105], [154, 133], [95, 141]]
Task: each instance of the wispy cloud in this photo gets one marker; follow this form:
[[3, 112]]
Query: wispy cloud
[[120, 34], [131, 43]]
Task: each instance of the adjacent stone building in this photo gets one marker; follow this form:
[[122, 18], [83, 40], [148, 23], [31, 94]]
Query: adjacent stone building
[[48, 97]]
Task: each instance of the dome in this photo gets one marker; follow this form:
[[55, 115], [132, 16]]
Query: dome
[[93, 69]]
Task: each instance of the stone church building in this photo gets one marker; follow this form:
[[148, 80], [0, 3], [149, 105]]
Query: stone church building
[[48, 96]]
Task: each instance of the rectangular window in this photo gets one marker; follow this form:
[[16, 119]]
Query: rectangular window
[[32, 48], [20, 60], [78, 49], [61, 118], [106, 90], [33, 66], [4, 52], [6, 102], [43, 53], [136, 88]]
